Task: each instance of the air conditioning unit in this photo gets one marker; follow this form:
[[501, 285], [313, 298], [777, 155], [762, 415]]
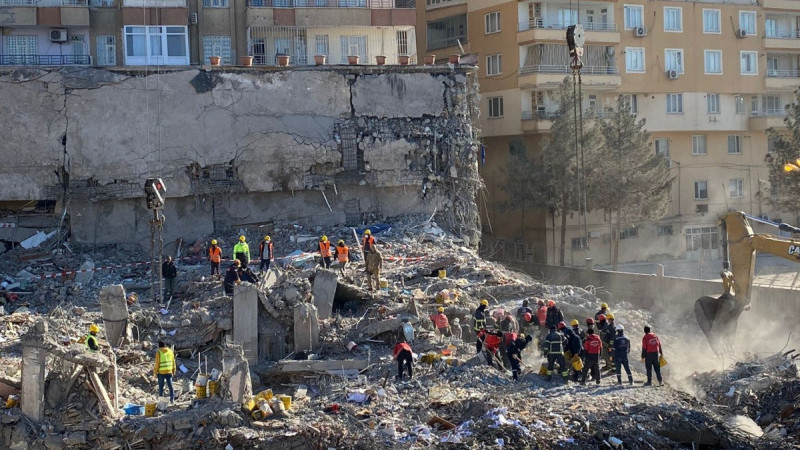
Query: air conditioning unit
[[741, 33], [640, 31], [595, 234], [540, 108], [58, 35], [672, 74], [701, 208]]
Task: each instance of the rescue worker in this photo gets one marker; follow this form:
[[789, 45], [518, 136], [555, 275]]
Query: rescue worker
[[524, 321], [169, 272], [508, 339], [247, 274], [265, 253], [573, 347], [577, 330], [651, 349], [341, 253], [609, 334], [541, 312], [402, 353], [241, 251], [554, 349], [554, 315], [91, 339], [589, 324], [621, 348], [492, 341], [368, 242], [215, 256], [164, 370], [592, 348], [514, 354], [373, 266], [456, 329], [325, 252], [440, 322], [603, 310], [232, 277], [509, 323], [479, 323]]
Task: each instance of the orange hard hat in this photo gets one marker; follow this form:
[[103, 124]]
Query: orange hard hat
[[551, 303]]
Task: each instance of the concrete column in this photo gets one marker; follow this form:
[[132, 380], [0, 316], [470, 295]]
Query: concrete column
[[306, 327], [245, 320], [236, 369], [324, 291], [115, 313], [33, 370]]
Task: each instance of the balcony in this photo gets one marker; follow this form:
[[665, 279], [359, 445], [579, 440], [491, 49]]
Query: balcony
[[434, 4], [782, 80], [789, 40], [550, 76], [154, 3], [768, 118], [791, 5], [44, 3], [365, 4], [45, 60], [538, 121], [539, 30]]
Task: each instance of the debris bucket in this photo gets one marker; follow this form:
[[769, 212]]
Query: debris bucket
[[577, 363], [12, 401], [201, 392], [286, 400], [384, 284], [249, 405], [442, 274], [149, 409], [351, 345], [257, 414], [266, 394], [213, 387], [661, 361], [202, 379]]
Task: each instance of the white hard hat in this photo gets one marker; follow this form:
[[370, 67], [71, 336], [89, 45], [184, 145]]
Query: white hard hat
[[4, 284], [456, 320], [620, 328]]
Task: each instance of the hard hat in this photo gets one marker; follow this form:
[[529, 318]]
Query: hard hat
[[241, 238], [528, 317], [93, 328], [324, 239], [589, 321], [456, 320], [574, 322], [440, 309], [521, 336], [485, 302], [236, 262], [341, 242], [213, 242], [620, 328], [604, 305], [367, 231], [609, 316], [561, 325], [267, 238], [551, 303], [601, 317]]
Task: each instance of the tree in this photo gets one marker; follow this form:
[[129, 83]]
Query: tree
[[785, 149], [519, 188], [625, 178]]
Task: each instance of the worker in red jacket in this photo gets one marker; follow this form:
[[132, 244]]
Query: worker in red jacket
[[651, 349], [592, 348], [440, 322], [492, 341], [402, 353]]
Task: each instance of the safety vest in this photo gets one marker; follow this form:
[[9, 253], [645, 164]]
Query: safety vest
[[440, 320], [215, 254], [341, 253], [166, 361], [265, 250], [368, 242], [86, 342], [325, 249], [243, 248]]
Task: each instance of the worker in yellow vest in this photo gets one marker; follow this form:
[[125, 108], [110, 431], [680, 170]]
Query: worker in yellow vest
[[165, 369], [91, 339]]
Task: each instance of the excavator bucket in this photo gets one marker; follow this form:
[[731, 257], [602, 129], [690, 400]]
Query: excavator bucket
[[718, 317]]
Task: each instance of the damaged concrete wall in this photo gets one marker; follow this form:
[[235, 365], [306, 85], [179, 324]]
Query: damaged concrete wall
[[237, 147]]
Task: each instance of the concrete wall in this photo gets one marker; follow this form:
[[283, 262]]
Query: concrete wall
[[238, 147]]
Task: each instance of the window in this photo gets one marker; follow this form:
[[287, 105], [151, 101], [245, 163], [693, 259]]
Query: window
[[633, 16], [673, 19], [736, 187], [712, 103], [734, 144], [664, 230], [771, 142], [674, 59], [713, 62], [771, 105], [699, 144], [629, 233], [446, 32], [353, 45], [701, 190], [749, 62], [321, 44], [106, 50], [674, 103], [492, 22], [739, 104], [402, 42], [156, 46], [495, 107], [771, 28], [259, 52], [22, 49], [631, 102], [217, 46], [494, 64], [662, 147], [702, 238], [634, 59], [747, 22], [579, 243], [711, 21], [567, 17], [101, 3], [215, 4]]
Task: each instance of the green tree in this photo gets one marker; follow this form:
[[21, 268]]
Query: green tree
[[519, 187], [628, 181], [785, 149]]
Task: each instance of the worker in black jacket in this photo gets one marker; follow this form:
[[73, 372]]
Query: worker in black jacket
[[169, 272], [514, 353]]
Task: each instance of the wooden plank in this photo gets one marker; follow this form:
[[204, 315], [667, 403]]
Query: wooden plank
[[72, 378], [102, 395]]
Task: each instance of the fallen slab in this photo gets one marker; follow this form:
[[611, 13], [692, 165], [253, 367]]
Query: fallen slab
[[320, 366]]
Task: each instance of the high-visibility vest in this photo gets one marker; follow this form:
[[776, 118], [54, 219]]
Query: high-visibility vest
[[325, 249], [242, 248], [342, 253], [166, 361], [368, 242], [86, 341], [440, 320], [215, 254]]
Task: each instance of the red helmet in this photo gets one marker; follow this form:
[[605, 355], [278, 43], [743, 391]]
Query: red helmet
[[589, 321], [551, 303], [601, 317], [528, 317], [561, 325]]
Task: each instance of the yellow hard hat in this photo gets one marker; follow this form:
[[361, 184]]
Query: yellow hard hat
[[236, 262], [241, 238], [324, 238], [440, 309], [93, 328], [574, 322], [367, 231], [604, 305], [485, 302], [341, 242], [609, 316], [267, 238], [213, 242]]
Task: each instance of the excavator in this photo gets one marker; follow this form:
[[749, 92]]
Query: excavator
[[718, 315]]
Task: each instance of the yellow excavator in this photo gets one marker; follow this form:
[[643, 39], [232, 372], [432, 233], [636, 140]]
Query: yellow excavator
[[719, 315]]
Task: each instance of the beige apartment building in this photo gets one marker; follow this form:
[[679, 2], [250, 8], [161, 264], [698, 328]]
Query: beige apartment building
[[187, 32], [709, 78]]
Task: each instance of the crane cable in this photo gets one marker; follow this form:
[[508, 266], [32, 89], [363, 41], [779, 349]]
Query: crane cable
[[577, 103]]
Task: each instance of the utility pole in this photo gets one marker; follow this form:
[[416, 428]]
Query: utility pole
[[155, 193]]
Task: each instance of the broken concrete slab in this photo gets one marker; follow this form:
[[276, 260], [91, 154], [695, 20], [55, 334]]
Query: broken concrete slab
[[406, 95], [245, 320], [306, 327], [86, 272], [115, 313], [236, 370], [320, 366], [376, 327], [324, 292]]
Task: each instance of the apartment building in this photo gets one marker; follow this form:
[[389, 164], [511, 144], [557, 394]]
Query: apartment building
[[187, 32], [709, 78]]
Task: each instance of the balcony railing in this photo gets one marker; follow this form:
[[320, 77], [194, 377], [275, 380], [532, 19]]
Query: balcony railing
[[768, 113], [783, 34], [783, 73], [369, 4], [586, 70], [540, 23], [540, 115], [43, 2], [45, 60]]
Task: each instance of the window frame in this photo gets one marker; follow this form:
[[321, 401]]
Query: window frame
[[742, 13], [696, 139], [165, 59], [633, 49], [220, 4], [489, 64], [737, 147], [705, 61], [679, 9], [488, 19], [738, 183], [632, 101], [450, 39], [698, 191], [679, 103], [498, 106], [678, 51], [719, 21], [99, 42], [640, 8], [659, 151], [754, 53], [716, 110]]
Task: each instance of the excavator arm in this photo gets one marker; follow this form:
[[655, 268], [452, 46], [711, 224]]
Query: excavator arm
[[718, 315]]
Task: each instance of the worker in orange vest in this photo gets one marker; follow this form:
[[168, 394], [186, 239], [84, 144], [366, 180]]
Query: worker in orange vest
[[342, 254], [215, 256], [325, 252], [368, 244], [441, 323]]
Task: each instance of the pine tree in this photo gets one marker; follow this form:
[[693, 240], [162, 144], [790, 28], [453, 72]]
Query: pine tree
[[519, 188], [786, 149]]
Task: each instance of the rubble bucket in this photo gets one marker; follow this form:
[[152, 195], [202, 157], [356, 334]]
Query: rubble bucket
[[286, 400], [201, 392], [213, 386], [12, 401], [442, 274], [351, 346], [249, 405], [384, 284], [577, 363], [278, 406], [266, 394], [543, 369], [661, 361], [202, 379], [149, 409], [257, 414], [265, 409]]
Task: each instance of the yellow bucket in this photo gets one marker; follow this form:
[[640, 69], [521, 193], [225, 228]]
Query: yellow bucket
[[384, 284], [577, 363], [286, 399], [12, 401], [266, 394], [257, 414], [149, 409], [661, 361], [201, 392], [213, 386], [442, 274], [543, 369], [249, 405]]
